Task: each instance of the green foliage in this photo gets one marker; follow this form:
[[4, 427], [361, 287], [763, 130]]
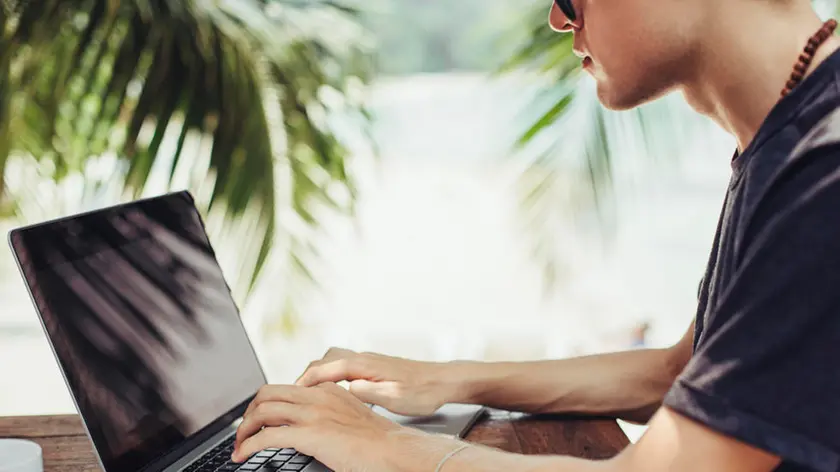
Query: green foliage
[[572, 138], [81, 79], [439, 35]]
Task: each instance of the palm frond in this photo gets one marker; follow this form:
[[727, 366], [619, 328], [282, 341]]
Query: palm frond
[[138, 78], [572, 145], [5, 105]]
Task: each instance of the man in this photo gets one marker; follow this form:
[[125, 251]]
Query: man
[[753, 385]]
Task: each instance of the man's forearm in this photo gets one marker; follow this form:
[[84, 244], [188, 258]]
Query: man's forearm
[[483, 459], [629, 385], [672, 443], [413, 451]]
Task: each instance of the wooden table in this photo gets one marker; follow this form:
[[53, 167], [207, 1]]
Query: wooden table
[[66, 447]]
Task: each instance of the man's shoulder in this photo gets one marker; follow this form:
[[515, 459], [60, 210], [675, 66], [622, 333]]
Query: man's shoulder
[[816, 151], [824, 136], [785, 178]]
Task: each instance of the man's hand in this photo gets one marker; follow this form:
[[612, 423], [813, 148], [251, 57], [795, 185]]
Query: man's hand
[[326, 422], [402, 386]]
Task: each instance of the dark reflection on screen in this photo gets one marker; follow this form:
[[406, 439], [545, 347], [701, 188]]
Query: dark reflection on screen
[[143, 324]]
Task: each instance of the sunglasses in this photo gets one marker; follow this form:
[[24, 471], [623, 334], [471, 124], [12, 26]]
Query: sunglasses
[[567, 8]]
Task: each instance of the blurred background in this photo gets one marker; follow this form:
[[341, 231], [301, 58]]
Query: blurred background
[[430, 179]]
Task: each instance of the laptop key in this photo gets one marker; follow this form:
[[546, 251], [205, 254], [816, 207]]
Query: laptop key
[[268, 468], [248, 466], [301, 459], [292, 466], [288, 450], [229, 467]]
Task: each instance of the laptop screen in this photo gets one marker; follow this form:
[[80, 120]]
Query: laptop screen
[[142, 323]]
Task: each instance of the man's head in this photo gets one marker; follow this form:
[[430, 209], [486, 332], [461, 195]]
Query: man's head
[[637, 49], [642, 49]]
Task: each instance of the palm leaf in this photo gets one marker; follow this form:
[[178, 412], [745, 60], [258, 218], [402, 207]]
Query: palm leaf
[[137, 78], [571, 145]]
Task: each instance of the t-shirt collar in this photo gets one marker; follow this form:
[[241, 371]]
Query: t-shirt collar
[[789, 107]]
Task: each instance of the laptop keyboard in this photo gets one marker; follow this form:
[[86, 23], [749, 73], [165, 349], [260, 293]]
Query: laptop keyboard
[[269, 460]]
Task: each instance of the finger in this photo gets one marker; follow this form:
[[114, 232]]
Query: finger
[[278, 393], [336, 371], [269, 437], [378, 393], [332, 354], [312, 365], [266, 415], [335, 390], [335, 353]]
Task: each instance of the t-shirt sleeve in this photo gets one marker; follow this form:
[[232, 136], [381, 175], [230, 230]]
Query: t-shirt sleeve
[[766, 370]]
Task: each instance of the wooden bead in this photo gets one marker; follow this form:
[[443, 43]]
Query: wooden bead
[[800, 68]]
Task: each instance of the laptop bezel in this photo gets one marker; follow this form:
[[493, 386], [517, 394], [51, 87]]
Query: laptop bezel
[[194, 441]]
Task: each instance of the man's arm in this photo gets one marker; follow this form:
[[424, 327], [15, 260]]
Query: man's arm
[[327, 422], [673, 443], [630, 385]]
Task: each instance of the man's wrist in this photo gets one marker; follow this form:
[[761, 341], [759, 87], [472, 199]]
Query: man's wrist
[[468, 380], [412, 450], [477, 458]]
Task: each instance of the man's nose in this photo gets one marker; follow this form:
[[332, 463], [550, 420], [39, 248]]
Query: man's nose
[[558, 21]]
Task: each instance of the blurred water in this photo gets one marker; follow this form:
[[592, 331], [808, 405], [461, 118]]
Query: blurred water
[[437, 265]]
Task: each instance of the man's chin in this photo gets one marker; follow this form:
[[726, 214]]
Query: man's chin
[[614, 100]]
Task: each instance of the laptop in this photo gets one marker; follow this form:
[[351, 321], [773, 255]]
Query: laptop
[[150, 341]]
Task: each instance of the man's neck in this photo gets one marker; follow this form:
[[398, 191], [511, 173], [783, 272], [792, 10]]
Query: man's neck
[[740, 76]]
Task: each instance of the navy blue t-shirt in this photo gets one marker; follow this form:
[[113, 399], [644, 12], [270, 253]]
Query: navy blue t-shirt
[[766, 363]]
